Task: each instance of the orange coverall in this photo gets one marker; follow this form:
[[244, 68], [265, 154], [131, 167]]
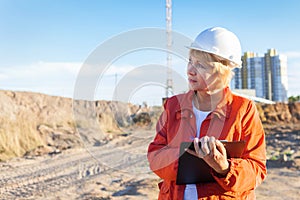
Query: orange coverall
[[234, 119]]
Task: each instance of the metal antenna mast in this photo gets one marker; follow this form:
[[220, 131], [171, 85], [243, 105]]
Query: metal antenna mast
[[169, 87]]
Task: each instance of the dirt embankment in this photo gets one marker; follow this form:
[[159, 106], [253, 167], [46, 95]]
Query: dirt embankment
[[31, 121], [35, 124], [279, 112]]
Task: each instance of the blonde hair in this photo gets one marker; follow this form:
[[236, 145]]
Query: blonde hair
[[219, 65]]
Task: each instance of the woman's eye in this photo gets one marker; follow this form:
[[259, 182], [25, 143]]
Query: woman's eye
[[198, 65]]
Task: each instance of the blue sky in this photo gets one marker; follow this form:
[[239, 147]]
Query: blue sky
[[43, 43]]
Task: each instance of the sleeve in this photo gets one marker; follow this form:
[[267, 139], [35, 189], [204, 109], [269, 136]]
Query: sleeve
[[163, 159], [248, 172]]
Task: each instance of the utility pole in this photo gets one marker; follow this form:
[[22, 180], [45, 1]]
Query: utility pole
[[169, 84]]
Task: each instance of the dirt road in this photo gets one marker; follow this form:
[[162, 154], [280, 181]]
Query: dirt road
[[108, 166], [117, 170]]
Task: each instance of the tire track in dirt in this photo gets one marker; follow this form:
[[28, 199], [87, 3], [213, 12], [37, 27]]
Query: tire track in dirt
[[72, 169]]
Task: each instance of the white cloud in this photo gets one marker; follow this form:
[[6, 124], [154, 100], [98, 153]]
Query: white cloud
[[40, 70], [54, 78], [292, 54]]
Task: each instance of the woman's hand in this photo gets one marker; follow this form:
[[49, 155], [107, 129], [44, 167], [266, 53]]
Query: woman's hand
[[213, 152]]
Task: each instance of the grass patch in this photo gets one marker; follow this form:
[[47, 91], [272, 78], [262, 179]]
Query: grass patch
[[17, 137]]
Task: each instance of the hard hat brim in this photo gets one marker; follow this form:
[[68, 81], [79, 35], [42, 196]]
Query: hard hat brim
[[235, 64]]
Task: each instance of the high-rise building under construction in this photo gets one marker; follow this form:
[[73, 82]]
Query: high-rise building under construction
[[267, 75]]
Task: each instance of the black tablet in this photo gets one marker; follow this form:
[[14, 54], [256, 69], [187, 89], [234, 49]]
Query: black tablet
[[192, 170]]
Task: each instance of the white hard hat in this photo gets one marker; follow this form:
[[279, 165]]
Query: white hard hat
[[221, 42]]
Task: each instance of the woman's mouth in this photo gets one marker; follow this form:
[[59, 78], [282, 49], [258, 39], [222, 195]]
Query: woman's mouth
[[192, 80]]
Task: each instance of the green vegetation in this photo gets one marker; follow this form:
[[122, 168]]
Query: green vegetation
[[294, 98]]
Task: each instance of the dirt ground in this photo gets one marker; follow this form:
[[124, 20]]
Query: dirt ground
[[119, 170]]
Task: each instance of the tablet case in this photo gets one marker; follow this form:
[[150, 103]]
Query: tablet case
[[192, 170]]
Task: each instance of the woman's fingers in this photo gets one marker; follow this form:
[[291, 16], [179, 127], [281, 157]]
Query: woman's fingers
[[209, 146], [205, 145], [199, 152], [212, 145], [221, 148], [196, 145]]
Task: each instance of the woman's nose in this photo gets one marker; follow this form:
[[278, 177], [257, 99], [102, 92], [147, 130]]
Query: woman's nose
[[191, 70]]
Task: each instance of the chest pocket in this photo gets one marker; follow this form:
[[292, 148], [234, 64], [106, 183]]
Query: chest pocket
[[182, 129]]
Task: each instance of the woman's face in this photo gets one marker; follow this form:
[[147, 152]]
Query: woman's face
[[203, 77]]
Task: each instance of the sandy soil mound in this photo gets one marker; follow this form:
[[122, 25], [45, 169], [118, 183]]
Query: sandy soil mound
[[36, 124]]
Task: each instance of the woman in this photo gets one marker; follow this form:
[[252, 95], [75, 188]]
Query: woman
[[209, 112]]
